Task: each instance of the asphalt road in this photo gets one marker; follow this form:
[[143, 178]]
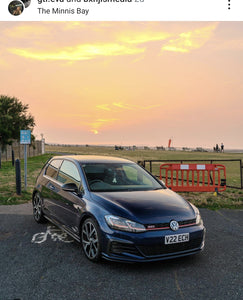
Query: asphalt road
[[38, 262]]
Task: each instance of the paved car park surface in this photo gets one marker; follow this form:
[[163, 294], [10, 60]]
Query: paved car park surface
[[39, 262]]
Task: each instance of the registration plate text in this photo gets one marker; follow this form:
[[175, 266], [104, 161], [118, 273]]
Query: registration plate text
[[176, 238]]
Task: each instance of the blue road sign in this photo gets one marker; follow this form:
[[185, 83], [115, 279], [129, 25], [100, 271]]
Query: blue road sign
[[25, 137]]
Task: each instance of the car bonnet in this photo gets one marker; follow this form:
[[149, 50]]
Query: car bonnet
[[146, 206]]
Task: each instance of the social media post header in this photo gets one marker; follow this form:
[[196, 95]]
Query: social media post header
[[121, 10]]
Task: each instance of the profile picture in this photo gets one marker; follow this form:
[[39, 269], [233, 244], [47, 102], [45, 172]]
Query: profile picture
[[26, 3], [16, 8]]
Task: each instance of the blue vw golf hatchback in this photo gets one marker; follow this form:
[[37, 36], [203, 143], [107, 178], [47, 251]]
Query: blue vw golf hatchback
[[116, 209]]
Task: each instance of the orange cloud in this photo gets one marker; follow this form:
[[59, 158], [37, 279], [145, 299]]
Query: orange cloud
[[80, 52], [115, 109], [150, 106], [97, 124], [133, 107], [25, 31], [74, 25], [144, 37], [123, 106], [191, 40], [89, 121], [104, 107]]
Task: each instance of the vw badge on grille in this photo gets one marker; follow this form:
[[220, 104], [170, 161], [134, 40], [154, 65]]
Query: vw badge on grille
[[174, 225]]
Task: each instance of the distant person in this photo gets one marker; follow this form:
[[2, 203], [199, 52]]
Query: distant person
[[217, 148], [222, 147]]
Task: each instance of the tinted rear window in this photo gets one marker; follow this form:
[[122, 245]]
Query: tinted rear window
[[53, 167]]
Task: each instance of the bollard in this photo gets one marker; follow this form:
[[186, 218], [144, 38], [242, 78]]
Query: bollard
[[12, 158], [18, 177]]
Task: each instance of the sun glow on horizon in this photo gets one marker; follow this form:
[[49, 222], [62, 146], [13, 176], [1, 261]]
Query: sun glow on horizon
[[94, 131], [130, 82]]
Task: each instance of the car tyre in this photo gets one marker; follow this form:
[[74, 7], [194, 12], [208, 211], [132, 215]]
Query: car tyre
[[37, 209], [90, 239]]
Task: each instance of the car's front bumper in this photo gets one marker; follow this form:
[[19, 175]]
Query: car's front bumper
[[150, 246]]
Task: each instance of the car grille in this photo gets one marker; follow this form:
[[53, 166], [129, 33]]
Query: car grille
[[167, 224], [119, 248], [155, 250], [187, 222], [161, 249]]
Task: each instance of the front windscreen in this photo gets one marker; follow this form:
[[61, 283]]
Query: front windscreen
[[111, 177]]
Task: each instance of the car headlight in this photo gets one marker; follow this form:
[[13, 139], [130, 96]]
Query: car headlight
[[124, 224], [198, 216], [198, 219]]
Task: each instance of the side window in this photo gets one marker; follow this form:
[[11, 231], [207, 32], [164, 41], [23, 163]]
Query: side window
[[147, 181], [131, 173], [69, 173], [53, 167], [137, 177]]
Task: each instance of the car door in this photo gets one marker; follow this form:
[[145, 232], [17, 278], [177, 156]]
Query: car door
[[50, 188], [69, 204]]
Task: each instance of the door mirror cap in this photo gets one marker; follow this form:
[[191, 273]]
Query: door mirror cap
[[70, 187]]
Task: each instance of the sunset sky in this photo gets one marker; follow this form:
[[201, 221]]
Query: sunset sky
[[129, 83]]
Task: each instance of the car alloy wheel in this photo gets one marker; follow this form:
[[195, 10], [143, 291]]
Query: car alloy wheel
[[37, 209], [91, 240]]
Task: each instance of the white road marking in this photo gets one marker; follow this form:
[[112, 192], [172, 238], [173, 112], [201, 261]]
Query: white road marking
[[55, 233]]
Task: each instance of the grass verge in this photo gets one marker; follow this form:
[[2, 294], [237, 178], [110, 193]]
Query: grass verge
[[8, 194], [231, 198]]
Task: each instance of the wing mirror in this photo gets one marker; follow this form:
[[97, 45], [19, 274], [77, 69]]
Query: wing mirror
[[70, 187]]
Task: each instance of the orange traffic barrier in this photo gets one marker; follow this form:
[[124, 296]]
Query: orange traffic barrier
[[194, 177]]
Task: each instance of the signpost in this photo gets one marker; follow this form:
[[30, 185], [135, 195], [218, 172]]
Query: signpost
[[25, 139]]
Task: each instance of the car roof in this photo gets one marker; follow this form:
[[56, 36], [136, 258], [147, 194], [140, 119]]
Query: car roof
[[93, 159]]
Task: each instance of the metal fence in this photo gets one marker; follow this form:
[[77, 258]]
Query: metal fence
[[233, 168]]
